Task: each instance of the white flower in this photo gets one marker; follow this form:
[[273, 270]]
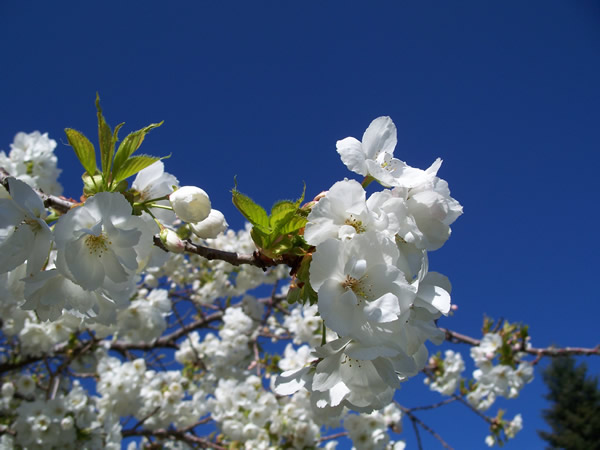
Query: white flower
[[362, 385], [97, 243], [379, 139], [24, 235], [452, 368], [373, 156], [33, 161], [514, 426], [25, 385], [486, 350], [210, 227], [343, 213], [431, 210], [358, 287], [153, 182], [340, 214], [190, 203]]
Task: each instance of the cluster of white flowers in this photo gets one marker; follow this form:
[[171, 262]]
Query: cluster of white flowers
[[42, 423], [371, 275], [495, 380], [83, 294], [32, 160], [370, 431], [447, 373]]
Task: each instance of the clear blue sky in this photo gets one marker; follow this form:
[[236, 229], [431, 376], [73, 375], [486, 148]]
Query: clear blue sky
[[507, 93]]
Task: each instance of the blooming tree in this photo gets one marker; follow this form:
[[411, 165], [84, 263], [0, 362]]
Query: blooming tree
[[136, 312]]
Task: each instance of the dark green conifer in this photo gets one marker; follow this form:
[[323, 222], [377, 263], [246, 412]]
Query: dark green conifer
[[574, 415]]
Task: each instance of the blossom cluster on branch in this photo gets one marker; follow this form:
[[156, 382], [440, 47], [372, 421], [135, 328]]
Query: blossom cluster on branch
[[135, 312]]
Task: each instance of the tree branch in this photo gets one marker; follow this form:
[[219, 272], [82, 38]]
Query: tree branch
[[415, 420], [60, 204], [453, 336]]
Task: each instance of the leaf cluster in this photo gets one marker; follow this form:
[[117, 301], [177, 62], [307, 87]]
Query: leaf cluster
[[115, 166], [280, 234]]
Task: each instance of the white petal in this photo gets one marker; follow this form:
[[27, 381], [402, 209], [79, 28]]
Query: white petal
[[16, 248], [384, 309], [84, 265], [327, 262], [380, 136], [40, 249], [352, 154], [290, 382], [339, 308], [25, 197]]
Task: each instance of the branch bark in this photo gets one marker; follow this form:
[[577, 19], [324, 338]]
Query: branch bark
[[453, 336]]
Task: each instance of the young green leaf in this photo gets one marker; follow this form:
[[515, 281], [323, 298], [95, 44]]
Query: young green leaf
[[281, 212], [133, 165], [130, 144], [105, 138], [255, 214], [84, 150], [295, 223]]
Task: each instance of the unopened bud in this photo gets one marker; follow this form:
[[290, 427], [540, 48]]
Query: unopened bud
[[210, 227], [171, 241], [190, 203]]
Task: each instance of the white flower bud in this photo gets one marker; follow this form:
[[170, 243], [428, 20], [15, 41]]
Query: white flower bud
[[210, 227], [171, 241], [190, 203]]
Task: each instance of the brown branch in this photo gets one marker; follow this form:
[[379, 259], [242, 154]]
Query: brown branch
[[169, 339], [183, 434], [60, 204], [256, 259], [333, 436], [433, 406], [415, 420], [453, 336]]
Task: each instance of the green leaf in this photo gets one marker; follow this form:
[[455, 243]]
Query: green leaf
[[255, 214], [105, 138], [259, 237], [294, 224], [280, 212], [133, 165], [130, 144], [301, 199], [293, 295], [84, 150]]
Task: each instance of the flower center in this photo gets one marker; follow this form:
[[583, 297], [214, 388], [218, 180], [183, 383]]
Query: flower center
[[356, 224], [35, 226], [357, 286], [97, 244]]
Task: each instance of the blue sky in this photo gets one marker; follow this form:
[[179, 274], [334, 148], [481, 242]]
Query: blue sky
[[506, 93]]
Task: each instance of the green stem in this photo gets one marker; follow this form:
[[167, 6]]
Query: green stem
[[157, 199], [154, 205], [367, 181]]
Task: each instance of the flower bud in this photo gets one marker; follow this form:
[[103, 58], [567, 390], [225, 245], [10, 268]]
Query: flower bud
[[210, 227], [190, 203], [171, 241]]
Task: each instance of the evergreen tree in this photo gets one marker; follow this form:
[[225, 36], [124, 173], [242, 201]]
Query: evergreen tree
[[575, 413]]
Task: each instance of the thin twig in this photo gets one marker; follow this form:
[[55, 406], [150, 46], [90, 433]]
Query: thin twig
[[453, 336], [426, 427]]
